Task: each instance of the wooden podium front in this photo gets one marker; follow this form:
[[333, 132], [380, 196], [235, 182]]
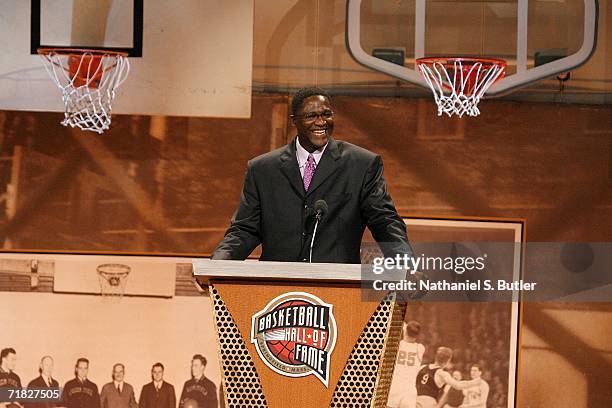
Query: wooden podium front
[[364, 335]]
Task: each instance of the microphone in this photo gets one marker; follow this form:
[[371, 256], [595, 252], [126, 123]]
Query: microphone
[[320, 208]]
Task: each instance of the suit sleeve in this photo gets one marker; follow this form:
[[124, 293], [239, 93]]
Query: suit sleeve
[[380, 215], [102, 397], [96, 397], [133, 403], [183, 396], [172, 403], [212, 396], [142, 401], [243, 235]]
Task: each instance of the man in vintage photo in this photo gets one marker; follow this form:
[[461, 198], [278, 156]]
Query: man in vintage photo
[[44, 380], [118, 393], [476, 397], [432, 378], [80, 392], [8, 362], [198, 389], [157, 393], [402, 393], [8, 378], [452, 398]]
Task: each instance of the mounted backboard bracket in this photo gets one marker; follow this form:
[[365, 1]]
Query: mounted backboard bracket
[[519, 55]]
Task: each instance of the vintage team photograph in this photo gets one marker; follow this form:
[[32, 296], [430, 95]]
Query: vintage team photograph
[[109, 331]]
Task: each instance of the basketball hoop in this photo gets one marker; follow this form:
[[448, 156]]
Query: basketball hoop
[[113, 279], [88, 80], [458, 83]]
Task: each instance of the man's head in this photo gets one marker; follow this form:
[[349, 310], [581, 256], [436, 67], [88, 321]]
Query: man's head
[[457, 375], [81, 368], [157, 372], [190, 403], [46, 366], [475, 371], [411, 330], [118, 372], [198, 364], [312, 115], [8, 358], [443, 356]]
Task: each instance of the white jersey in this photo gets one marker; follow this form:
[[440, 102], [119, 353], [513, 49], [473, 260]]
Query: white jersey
[[476, 396], [409, 360], [402, 393]]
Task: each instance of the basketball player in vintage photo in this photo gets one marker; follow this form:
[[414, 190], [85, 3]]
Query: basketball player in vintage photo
[[432, 378], [402, 393]]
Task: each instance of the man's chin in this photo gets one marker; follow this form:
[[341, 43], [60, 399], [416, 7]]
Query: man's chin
[[319, 141]]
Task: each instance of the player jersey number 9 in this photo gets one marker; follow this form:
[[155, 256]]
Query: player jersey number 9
[[425, 379]]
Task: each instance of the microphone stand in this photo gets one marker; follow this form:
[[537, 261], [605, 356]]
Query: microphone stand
[[314, 232]]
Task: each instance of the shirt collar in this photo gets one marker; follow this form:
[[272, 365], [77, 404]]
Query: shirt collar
[[302, 154]]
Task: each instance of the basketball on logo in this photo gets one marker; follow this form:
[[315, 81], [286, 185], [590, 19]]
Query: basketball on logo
[[295, 334]]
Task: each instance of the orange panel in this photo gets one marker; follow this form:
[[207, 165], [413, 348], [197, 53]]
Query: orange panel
[[351, 313]]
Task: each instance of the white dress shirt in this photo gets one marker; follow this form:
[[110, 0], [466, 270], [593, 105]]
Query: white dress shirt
[[302, 155]]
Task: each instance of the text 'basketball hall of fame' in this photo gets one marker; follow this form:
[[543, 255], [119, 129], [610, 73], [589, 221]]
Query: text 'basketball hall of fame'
[[295, 334]]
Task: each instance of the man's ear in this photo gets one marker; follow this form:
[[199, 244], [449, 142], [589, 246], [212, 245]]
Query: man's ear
[[292, 119]]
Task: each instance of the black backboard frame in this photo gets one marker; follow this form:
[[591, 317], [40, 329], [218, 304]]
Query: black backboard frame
[[134, 51]]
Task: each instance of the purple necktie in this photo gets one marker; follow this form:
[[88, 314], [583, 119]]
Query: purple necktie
[[309, 171]]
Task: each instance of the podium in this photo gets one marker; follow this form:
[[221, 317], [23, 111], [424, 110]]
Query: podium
[[301, 334]]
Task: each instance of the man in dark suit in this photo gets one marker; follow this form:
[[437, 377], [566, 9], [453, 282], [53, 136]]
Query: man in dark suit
[[44, 380], [118, 393], [281, 187], [157, 393]]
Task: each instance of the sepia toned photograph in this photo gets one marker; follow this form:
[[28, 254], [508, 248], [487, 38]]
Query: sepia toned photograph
[[111, 331], [467, 337]]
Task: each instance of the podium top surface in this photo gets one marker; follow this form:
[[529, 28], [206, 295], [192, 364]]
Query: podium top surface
[[205, 270]]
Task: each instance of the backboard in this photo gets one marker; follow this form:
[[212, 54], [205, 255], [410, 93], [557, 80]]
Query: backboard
[[148, 276], [538, 39], [187, 58]]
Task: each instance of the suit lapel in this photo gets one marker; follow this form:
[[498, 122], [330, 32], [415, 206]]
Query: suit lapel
[[327, 165], [291, 170]]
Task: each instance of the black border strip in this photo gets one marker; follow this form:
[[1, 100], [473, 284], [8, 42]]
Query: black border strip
[[137, 36]]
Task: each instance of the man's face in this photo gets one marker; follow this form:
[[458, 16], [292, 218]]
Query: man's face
[[475, 372], [82, 369], [197, 368], [118, 373], [11, 361], [157, 374], [46, 366], [314, 122]]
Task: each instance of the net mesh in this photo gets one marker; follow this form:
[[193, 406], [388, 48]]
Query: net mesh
[[458, 84], [88, 80], [113, 280]]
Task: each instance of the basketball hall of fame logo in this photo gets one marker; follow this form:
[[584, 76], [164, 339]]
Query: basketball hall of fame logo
[[295, 334]]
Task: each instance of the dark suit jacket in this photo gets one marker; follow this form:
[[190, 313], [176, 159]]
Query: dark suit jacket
[[111, 398], [39, 382], [151, 398], [275, 210]]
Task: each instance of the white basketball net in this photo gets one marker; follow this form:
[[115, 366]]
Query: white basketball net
[[459, 84], [113, 280], [88, 82]]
